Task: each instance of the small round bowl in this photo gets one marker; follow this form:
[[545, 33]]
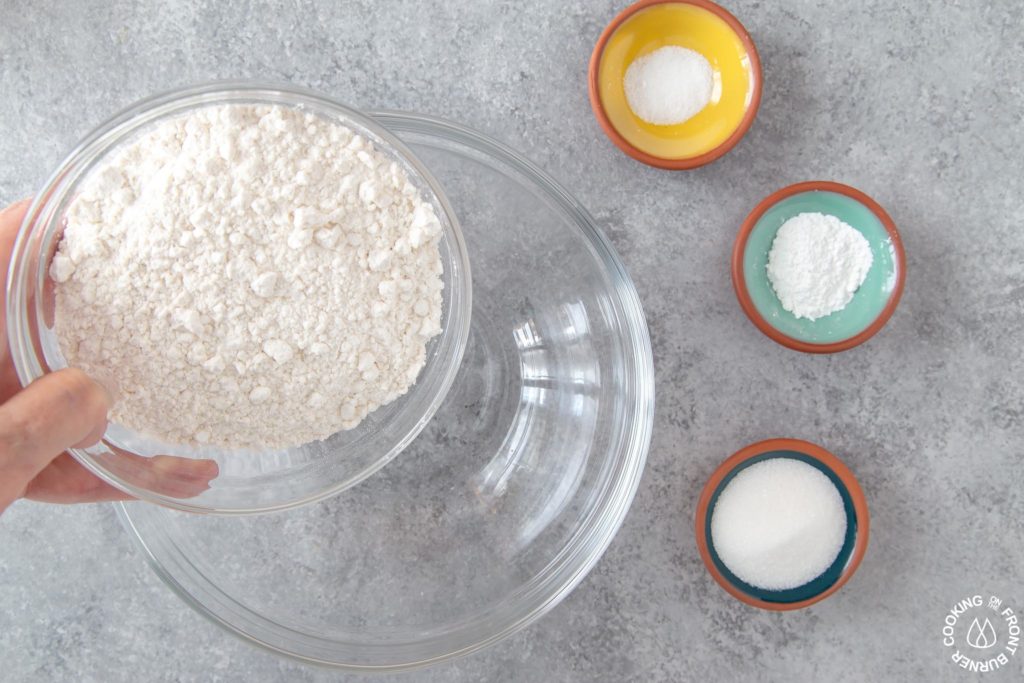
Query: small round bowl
[[850, 555], [253, 480], [699, 25], [872, 305]]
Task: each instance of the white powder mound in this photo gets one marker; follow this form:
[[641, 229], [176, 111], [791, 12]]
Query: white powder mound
[[779, 524], [669, 86], [248, 276], [816, 264]]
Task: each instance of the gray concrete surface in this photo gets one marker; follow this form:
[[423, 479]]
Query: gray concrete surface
[[918, 104]]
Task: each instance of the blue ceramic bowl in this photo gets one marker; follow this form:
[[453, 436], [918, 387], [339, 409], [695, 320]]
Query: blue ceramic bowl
[[854, 544]]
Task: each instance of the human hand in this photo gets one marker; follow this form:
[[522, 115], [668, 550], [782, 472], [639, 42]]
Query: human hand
[[61, 410]]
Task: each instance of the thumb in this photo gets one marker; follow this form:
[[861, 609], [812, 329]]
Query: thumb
[[58, 411]]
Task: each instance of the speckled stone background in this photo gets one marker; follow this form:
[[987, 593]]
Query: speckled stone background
[[918, 104]]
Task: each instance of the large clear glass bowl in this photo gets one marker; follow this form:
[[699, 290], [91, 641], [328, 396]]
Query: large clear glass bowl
[[510, 495], [253, 480]]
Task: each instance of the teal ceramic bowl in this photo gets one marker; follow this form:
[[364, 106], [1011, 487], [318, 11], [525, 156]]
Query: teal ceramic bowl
[[872, 305]]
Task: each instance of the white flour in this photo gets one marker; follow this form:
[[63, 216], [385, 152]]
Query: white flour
[[669, 86], [248, 276], [816, 264]]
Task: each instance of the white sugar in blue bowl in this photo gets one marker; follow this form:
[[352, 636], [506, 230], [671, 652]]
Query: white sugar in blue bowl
[[782, 524]]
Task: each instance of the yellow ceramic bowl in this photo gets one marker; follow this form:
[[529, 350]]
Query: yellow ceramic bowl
[[701, 26]]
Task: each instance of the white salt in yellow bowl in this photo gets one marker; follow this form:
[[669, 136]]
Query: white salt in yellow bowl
[[701, 26]]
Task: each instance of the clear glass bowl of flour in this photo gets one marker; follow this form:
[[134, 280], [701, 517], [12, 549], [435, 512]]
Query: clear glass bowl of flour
[[252, 480]]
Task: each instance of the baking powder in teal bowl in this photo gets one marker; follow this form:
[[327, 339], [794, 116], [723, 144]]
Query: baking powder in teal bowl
[[872, 304]]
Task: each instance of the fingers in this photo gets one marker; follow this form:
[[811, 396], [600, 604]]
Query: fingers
[[95, 434], [14, 213], [171, 475], [10, 221], [57, 411], [65, 480], [181, 477]]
